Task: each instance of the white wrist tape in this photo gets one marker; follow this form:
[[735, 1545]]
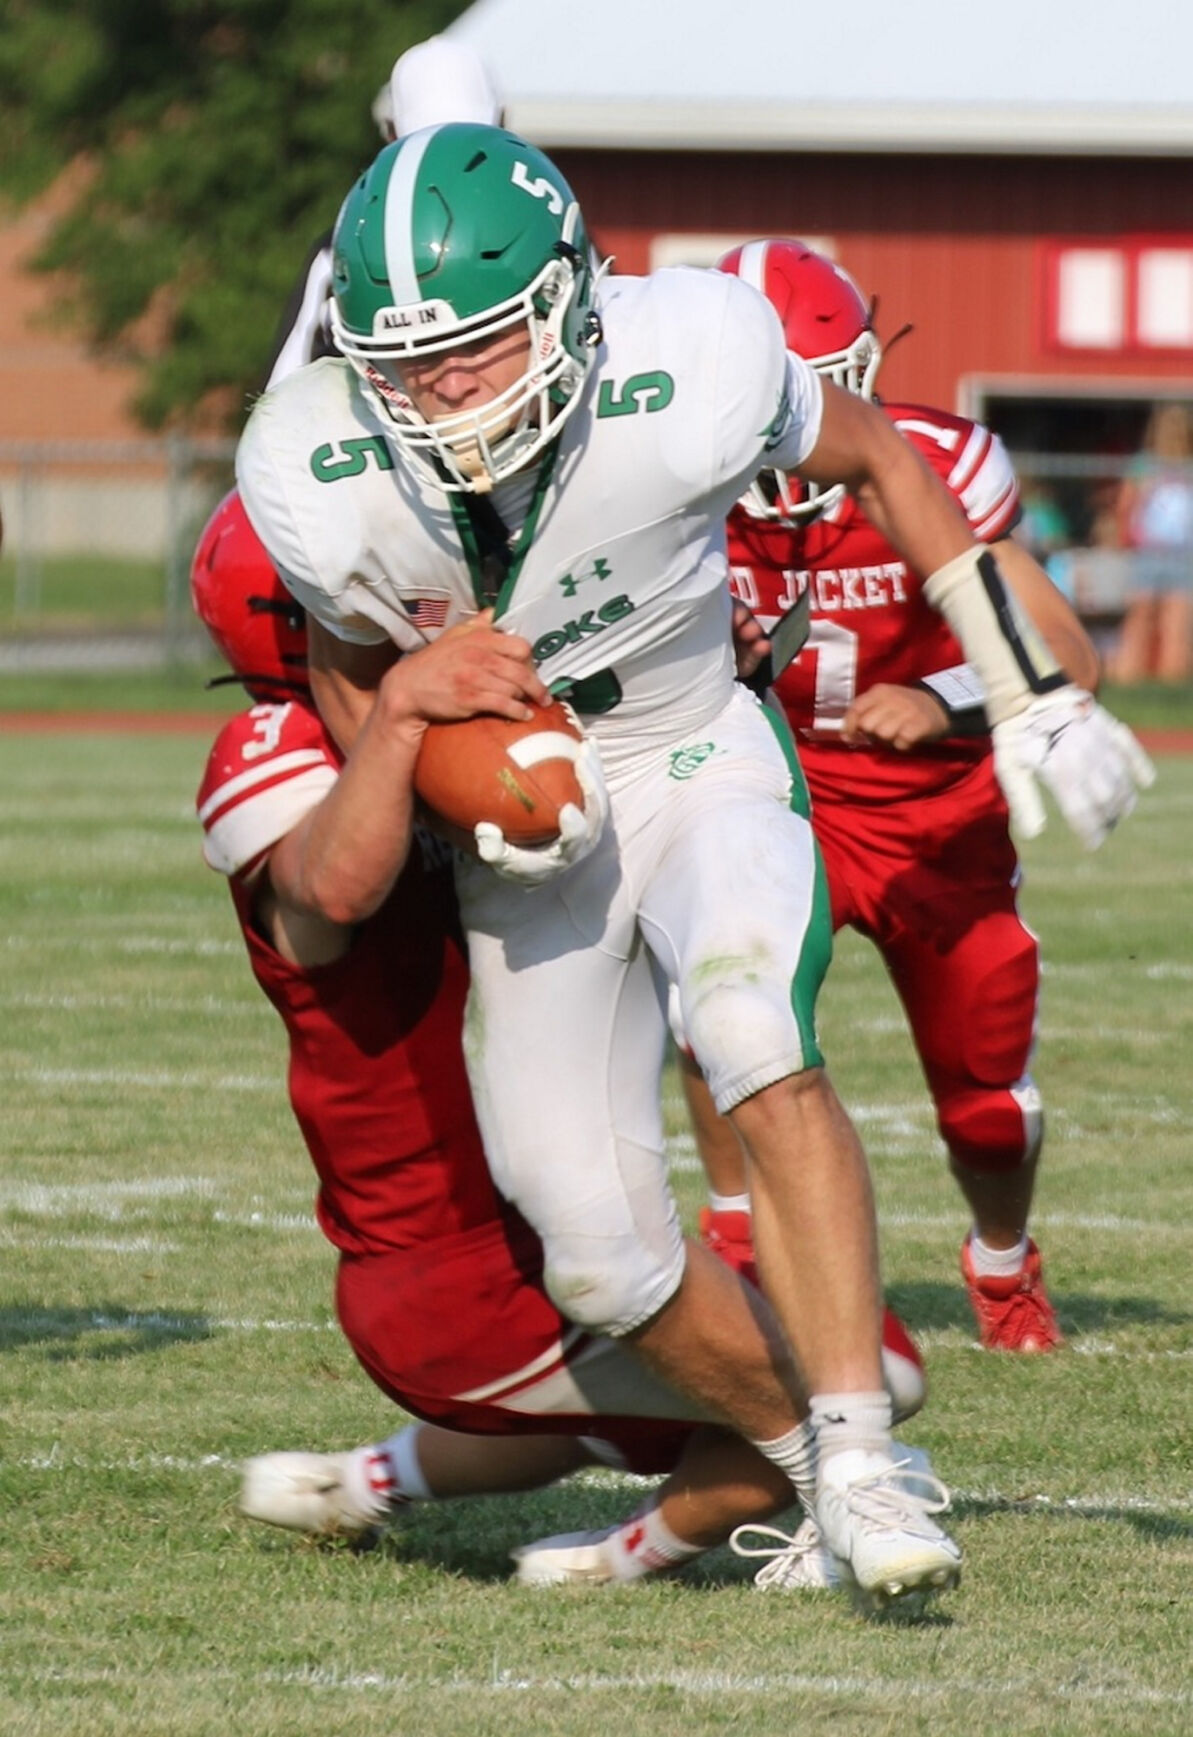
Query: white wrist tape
[[1012, 662]]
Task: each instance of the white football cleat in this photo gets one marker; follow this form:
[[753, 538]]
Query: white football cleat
[[875, 1513], [569, 1559], [799, 1561], [305, 1493]]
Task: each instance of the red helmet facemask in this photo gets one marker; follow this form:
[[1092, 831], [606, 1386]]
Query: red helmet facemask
[[828, 322], [246, 609]]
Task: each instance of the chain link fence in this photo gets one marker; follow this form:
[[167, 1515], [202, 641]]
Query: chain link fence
[[98, 542], [98, 538]]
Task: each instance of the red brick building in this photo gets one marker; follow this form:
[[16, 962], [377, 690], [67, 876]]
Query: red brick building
[[1014, 183]]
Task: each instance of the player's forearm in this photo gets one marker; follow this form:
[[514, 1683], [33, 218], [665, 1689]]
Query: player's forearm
[[1067, 640], [900, 495], [344, 680], [342, 860], [912, 508]]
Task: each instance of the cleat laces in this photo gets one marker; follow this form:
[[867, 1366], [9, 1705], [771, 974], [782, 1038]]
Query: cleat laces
[[799, 1558], [899, 1495]]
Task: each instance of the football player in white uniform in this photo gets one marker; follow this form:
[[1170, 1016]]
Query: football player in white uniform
[[501, 435]]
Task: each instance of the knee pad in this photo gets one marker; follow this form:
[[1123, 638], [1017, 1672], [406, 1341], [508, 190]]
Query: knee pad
[[744, 1033], [987, 1104], [991, 1128], [610, 1285], [998, 1023]]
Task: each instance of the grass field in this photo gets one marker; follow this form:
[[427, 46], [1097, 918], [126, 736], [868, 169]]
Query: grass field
[[72, 591], [166, 1311]]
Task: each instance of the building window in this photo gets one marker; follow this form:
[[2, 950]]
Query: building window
[[1165, 298], [1090, 299], [1128, 297]]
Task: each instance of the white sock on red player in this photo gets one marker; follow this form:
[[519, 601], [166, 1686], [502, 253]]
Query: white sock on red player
[[728, 1202], [645, 1544], [387, 1474], [997, 1263]]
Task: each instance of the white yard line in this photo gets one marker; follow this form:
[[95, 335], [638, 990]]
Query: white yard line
[[55, 1459], [133, 1245], [46, 1321], [101, 1199], [506, 1680], [268, 1220], [72, 941], [186, 1080], [134, 1321], [1109, 1221], [60, 1199], [216, 1005], [719, 1683]]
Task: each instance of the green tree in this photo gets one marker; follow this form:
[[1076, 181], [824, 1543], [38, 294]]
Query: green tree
[[198, 147]]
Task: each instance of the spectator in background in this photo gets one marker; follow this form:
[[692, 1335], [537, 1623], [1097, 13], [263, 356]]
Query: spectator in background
[[435, 81], [1043, 527], [1155, 517]]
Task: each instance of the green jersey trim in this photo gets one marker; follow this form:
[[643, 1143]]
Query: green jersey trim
[[817, 949]]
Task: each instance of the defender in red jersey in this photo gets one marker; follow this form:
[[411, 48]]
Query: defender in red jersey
[[911, 822], [348, 915]]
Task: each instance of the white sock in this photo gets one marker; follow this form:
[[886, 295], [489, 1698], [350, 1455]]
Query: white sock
[[729, 1202], [387, 1474], [845, 1421], [795, 1454], [645, 1544], [997, 1263]]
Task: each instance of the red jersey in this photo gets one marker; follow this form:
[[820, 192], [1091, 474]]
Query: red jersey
[[870, 622], [377, 1078]]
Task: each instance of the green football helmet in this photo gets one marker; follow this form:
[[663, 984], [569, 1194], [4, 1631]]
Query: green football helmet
[[453, 235]]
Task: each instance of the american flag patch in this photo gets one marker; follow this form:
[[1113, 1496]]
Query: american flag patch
[[426, 612]]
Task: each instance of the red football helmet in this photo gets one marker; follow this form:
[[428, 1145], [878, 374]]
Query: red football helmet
[[828, 322], [247, 610]]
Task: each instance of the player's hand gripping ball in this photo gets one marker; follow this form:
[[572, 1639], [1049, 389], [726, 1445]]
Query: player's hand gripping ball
[[529, 793]]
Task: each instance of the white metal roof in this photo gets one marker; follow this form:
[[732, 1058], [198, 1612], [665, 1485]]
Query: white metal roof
[[876, 75]]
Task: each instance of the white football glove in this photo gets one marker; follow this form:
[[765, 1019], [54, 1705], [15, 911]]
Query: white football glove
[[1090, 761], [579, 830]]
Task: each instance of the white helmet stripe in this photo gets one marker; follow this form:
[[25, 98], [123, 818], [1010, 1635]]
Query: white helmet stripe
[[399, 212], [752, 269]]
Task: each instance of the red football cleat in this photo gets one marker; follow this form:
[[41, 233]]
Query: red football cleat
[[730, 1236], [1013, 1314]]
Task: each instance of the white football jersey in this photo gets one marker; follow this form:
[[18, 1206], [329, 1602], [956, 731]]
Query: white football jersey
[[619, 575]]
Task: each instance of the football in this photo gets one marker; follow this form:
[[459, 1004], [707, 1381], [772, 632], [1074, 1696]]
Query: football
[[517, 775]]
